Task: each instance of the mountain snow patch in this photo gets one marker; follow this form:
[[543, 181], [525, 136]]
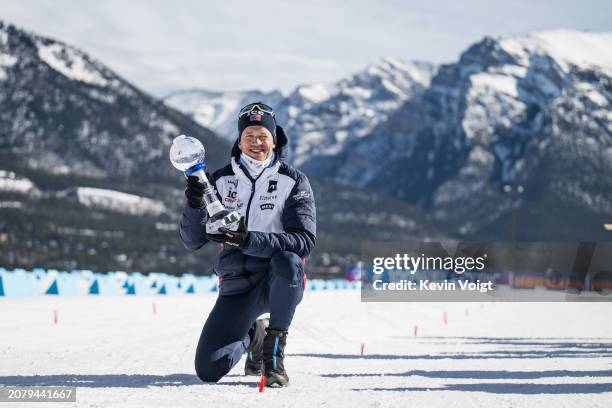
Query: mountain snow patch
[[567, 47], [315, 93], [70, 63], [497, 83], [119, 202], [9, 182], [6, 60]]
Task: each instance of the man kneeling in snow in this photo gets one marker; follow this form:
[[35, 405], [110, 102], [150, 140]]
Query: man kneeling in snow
[[261, 264]]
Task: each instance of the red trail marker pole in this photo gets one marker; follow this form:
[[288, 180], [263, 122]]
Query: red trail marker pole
[[262, 383], [154, 309], [415, 330], [445, 317], [55, 317]]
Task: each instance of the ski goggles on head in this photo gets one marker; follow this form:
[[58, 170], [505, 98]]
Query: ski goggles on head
[[256, 107]]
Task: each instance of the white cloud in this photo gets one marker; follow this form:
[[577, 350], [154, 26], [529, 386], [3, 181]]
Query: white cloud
[[163, 45]]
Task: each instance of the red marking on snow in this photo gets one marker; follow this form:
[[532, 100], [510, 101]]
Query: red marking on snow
[[362, 348], [445, 317], [262, 383], [415, 331], [55, 317], [154, 309]]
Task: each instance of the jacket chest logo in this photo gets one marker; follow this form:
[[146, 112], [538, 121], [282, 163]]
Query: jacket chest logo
[[231, 197], [272, 185], [233, 182], [268, 197]]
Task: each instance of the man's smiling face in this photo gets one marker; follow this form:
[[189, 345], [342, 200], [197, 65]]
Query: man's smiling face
[[256, 142]]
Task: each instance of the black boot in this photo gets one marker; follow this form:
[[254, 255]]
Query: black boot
[[274, 354], [254, 362]]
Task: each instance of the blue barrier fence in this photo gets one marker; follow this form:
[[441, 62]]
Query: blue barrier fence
[[20, 282]]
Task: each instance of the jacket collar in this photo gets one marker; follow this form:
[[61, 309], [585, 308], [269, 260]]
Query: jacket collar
[[241, 173]]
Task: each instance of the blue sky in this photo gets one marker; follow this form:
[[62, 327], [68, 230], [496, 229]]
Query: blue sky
[[163, 46]]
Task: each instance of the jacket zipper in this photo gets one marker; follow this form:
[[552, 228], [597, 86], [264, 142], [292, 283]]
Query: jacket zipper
[[246, 218], [253, 181]]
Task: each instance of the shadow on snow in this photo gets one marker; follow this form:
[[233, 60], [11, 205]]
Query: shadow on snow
[[112, 380], [508, 388]]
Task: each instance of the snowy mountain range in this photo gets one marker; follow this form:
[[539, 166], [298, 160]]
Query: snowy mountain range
[[50, 90], [320, 119], [218, 110], [85, 179], [519, 122], [84, 173], [511, 141]]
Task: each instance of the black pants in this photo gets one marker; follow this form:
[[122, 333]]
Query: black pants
[[225, 336]]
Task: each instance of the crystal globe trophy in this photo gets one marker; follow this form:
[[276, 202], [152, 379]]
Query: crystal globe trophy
[[187, 155]]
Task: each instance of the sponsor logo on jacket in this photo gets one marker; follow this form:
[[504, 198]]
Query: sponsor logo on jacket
[[268, 197], [231, 197], [266, 206], [272, 185], [301, 195]]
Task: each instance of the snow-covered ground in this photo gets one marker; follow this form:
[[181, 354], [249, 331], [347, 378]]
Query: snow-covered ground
[[118, 352]]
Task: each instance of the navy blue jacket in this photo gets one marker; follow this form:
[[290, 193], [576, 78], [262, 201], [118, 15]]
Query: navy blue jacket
[[279, 211]]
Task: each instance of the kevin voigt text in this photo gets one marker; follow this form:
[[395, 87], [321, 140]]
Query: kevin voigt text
[[427, 285]]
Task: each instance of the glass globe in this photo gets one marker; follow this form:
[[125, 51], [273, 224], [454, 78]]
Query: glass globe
[[186, 152]]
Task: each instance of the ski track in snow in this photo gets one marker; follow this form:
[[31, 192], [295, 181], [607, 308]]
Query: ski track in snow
[[119, 353]]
